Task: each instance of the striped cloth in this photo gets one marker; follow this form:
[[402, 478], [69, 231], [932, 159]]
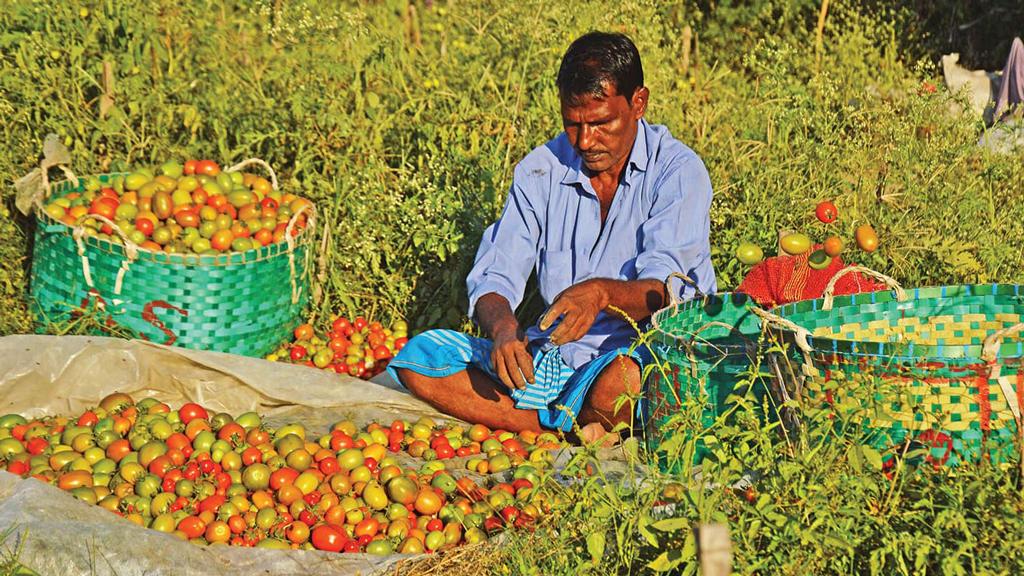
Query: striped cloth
[[557, 393]]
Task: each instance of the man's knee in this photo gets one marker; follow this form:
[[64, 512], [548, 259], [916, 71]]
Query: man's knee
[[621, 376], [418, 385]]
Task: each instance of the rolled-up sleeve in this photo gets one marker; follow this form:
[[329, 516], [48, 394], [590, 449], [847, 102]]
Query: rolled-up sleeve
[[508, 250], [675, 236]]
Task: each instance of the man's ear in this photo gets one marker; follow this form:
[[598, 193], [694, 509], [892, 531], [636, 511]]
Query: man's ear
[[639, 102]]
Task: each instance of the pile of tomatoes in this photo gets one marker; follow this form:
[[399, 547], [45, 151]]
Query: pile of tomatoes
[[191, 208], [217, 479], [797, 243], [357, 347]]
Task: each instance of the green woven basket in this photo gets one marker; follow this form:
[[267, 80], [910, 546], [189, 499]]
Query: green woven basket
[[939, 367], [241, 302], [706, 346]]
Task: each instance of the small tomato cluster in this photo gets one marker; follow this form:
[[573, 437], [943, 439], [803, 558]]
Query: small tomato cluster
[[359, 348]]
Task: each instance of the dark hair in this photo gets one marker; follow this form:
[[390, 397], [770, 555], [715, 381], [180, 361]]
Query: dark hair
[[596, 58]]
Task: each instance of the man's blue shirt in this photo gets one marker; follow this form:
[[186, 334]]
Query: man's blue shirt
[[658, 223]]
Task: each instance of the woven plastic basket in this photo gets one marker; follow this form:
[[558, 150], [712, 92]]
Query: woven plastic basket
[[241, 302], [706, 346], [937, 367]]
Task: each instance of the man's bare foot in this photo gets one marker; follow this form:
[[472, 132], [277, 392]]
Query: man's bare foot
[[595, 433]]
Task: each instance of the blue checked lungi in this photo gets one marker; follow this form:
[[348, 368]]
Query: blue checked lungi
[[557, 393]]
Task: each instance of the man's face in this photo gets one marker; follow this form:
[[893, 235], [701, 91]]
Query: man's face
[[602, 130]]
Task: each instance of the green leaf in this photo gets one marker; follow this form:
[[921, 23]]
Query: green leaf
[[645, 530], [671, 524], [872, 456], [854, 456], [666, 561], [595, 546]]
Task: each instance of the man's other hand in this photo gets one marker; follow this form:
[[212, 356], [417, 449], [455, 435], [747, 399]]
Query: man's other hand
[[578, 306]]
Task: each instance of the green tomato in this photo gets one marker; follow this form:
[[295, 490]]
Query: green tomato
[[749, 254]]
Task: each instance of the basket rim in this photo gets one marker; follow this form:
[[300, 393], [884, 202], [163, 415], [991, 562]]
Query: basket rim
[[302, 239], [906, 352], [669, 337]]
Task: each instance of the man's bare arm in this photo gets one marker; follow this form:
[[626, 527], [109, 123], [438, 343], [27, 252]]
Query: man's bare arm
[[579, 305]]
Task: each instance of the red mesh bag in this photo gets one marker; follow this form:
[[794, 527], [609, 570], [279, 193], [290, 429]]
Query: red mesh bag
[[784, 279]]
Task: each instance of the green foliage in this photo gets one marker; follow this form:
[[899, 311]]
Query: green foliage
[[403, 123], [813, 499]]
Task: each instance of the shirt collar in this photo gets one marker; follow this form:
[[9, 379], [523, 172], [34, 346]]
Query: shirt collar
[[639, 158]]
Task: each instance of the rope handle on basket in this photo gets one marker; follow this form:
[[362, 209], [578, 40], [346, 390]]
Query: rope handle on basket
[[673, 301], [990, 349], [830, 288], [800, 336], [260, 162], [131, 249], [310, 227], [48, 186], [989, 352]]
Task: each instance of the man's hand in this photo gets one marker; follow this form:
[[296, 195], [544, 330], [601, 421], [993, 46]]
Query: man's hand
[[578, 306], [511, 360]]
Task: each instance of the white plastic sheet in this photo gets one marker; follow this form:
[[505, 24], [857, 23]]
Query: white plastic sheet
[[44, 375]]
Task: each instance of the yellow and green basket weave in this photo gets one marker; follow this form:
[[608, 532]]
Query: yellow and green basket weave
[[942, 366], [241, 302]]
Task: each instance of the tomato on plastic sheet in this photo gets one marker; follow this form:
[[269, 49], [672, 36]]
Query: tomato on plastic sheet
[[191, 411]]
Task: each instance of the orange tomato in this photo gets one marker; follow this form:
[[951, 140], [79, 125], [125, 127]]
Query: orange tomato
[[368, 527], [118, 449], [217, 201], [218, 531], [867, 240], [304, 332], [428, 502], [187, 218], [297, 532], [833, 246], [239, 230], [221, 240], [264, 237]]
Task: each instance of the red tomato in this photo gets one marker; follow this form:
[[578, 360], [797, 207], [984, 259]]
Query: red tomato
[[192, 527], [190, 411], [190, 167], [18, 467], [340, 325], [298, 352], [208, 167], [37, 446], [826, 212], [329, 538], [268, 203], [89, 418], [102, 208]]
